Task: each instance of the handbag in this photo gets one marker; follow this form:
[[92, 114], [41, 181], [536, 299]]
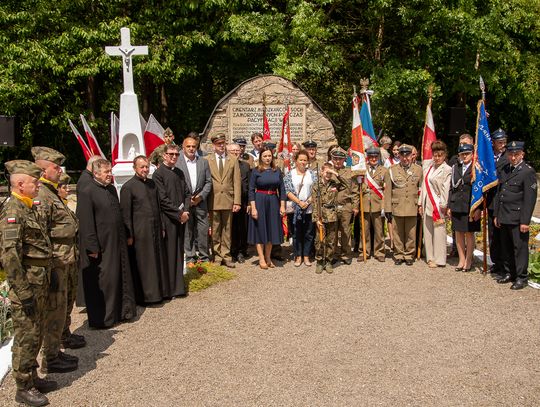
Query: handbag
[[289, 205]]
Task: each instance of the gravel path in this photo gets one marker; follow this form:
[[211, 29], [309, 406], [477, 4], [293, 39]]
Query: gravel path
[[367, 335]]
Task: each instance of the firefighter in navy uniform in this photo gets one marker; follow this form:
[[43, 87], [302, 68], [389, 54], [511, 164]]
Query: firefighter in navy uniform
[[514, 205], [498, 138]]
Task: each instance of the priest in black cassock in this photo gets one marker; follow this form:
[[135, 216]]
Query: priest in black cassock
[[106, 275], [174, 199], [139, 201]]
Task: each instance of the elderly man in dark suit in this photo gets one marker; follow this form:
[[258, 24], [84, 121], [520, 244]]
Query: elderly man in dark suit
[[199, 182]]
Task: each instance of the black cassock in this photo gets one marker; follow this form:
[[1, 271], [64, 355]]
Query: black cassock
[[174, 198], [107, 281], [84, 180], [140, 207]]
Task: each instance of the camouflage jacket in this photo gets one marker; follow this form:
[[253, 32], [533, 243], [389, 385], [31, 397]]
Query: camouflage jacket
[[26, 250], [328, 198], [61, 223]]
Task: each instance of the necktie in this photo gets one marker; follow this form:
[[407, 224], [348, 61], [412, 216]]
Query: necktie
[[220, 165]]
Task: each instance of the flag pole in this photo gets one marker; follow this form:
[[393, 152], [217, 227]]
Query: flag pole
[[420, 237], [362, 223], [484, 204]]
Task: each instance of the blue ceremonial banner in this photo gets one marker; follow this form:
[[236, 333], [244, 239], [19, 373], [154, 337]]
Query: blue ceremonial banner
[[484, 174]]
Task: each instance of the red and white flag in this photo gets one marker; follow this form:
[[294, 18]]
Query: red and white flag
[[86, 151], [357, 142], [115, 131], [429, 134], [92, 141], [266, 126], [286, 132], [153, 135]]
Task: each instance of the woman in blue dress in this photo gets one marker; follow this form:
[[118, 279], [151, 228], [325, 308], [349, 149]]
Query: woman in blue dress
[[267, 201]]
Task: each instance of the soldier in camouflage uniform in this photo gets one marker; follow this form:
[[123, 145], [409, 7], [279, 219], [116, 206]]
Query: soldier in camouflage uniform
[[69, 339], [325, 194], [156, 157], [62, 227], [348, 202], [26, 254]]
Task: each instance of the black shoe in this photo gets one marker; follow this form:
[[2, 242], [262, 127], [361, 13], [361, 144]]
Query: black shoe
[[74, 342], [67, 357], [45, 386], [519, 285], [409, 262], [234, 259], [398, 262], [277, 257], [505, 280], [32, 397], [347, 261], [241, 258], [58, 365], [458, 269]]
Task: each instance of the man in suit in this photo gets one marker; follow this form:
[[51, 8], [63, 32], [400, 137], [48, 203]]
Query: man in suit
[[514, 205], [199, 181], [498, 138], [239, 243], [257, 141], [402, 182], [225, 199]]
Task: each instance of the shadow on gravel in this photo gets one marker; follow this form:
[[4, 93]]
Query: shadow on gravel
[[97, 343]]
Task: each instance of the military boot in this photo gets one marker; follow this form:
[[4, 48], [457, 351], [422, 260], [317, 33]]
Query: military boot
[[67, 357], [74, 342], [31, 397], [57, 365], [319, 267], [329, 268], [45, 386]]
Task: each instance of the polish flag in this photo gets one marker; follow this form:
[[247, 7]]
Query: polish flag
[[92, 141], [357, 143], [153, 135], [429, 134], [86, 151], [115, 131]]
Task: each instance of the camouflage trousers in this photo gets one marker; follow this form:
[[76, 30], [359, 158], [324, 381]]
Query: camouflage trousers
[[72, 275], [55, 315], [325, 250], [28, 333]]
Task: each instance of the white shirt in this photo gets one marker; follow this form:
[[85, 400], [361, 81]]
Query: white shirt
[[464, 169], [305, 192], [192, 170]]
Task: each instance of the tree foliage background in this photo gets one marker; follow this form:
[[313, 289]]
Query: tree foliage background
[[53, 66]]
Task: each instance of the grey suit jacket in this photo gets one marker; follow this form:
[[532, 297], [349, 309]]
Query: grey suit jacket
[[204, 178]]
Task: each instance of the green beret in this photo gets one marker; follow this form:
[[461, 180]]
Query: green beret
[[23, 167], [64, 179], [46, 153]]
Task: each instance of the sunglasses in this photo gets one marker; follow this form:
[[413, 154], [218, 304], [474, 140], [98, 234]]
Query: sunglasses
[[173, 154]]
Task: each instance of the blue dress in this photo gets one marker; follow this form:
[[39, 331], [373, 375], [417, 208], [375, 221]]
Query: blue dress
[[267, 228]]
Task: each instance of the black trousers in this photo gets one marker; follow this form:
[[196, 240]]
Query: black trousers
[[239, 233], [495, 249], [515, 251]]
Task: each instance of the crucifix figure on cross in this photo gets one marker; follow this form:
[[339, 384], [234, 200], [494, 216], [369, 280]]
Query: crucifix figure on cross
[[127, 51]]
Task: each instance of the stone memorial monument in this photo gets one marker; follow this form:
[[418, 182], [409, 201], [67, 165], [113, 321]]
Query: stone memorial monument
[[240, 113], [130, 137]]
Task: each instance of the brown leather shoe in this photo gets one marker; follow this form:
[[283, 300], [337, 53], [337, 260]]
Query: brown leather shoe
[[31, 397]]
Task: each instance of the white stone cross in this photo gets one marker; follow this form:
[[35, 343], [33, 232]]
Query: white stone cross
[[126, 50]]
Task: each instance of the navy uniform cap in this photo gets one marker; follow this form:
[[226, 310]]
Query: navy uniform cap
[[373, 151], [466, 148], [309, 144], [515, 146], [241, 141], [498, 134]]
